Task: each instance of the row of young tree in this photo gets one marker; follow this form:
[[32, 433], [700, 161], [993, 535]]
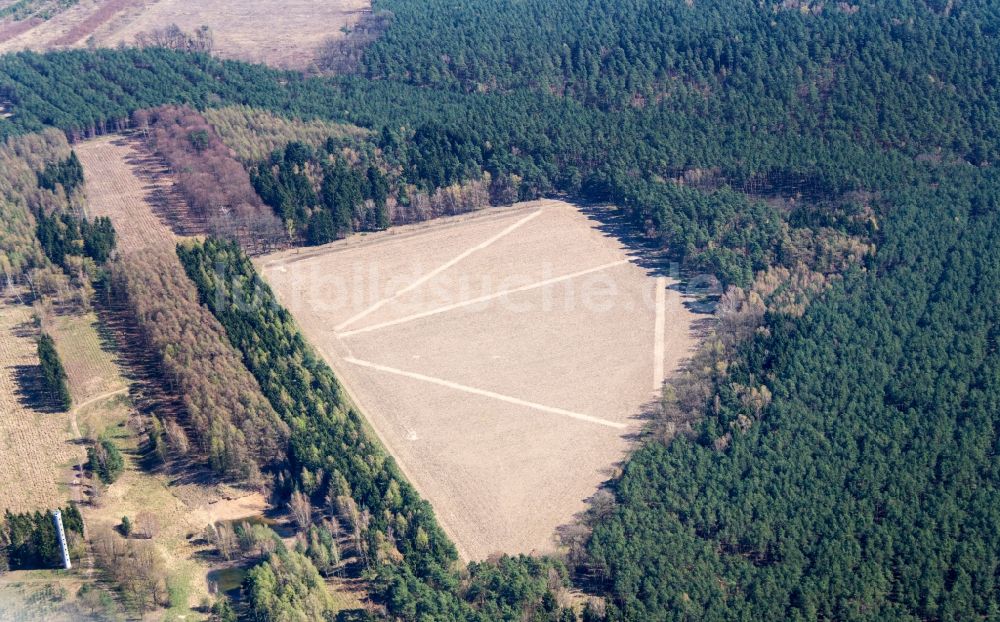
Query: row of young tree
[[54, 379]]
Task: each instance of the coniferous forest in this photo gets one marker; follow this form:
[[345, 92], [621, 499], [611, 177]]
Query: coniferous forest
[[832, 456]]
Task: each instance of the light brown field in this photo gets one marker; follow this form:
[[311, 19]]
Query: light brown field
[[40, 596], [35, 447], [114, 189], [281, 33], [503, 357], [90, 368]]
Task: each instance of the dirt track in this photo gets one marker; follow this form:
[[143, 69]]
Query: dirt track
[[503, 357]]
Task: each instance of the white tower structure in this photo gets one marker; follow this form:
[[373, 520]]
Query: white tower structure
[[61, 534]]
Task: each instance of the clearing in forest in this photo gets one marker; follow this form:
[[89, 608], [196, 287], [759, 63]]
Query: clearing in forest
[[504, 357], [281, 33], [36, 442], [112, 166]]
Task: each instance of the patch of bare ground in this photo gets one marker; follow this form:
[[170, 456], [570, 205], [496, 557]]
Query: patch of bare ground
[[40, 596], [43, 34], [83, 29], [127, 184], [505, 357], [282, 33], [90, 368], [11, 29], [36, 442]]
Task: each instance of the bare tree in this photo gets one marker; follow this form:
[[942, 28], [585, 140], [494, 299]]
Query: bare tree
[[301, 510], [177, 437]]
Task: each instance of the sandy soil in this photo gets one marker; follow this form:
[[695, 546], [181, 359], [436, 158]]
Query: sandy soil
[[503, 357], [281, 33]]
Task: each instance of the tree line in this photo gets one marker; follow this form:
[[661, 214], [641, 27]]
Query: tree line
[[232, 427], [28, 541], [54, 381]]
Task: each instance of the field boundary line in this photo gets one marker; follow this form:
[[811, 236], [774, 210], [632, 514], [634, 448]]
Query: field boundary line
[[659, 333], [484, 393], [486, 298], [433, 273]]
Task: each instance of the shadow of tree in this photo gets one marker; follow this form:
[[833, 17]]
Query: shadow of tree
[[31, 391]]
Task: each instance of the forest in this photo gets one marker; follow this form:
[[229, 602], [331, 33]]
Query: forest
[[214, 185], [232, 427], [837, 458], [329, 192]]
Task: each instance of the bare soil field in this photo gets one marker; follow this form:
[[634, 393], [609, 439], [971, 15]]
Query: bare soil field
[[40, 596], [281, 33], [504, 357], [112, 167], [36, 445], [90, 367]]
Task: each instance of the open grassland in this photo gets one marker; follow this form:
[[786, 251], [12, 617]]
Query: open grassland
[[504, 358], [282, 33], [36, 444]]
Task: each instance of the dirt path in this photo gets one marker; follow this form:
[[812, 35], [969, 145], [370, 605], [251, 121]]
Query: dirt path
[[76, 472]]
